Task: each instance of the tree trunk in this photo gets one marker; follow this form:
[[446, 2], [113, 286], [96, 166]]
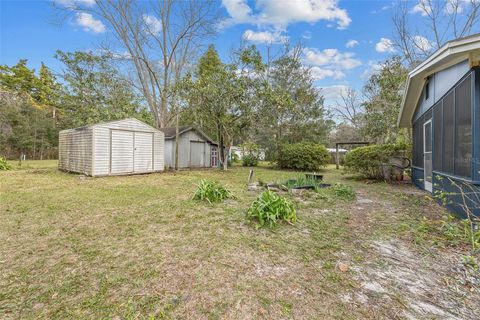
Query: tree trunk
[[177, 134]]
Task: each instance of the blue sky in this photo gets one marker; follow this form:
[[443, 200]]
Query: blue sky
[[343, 40]]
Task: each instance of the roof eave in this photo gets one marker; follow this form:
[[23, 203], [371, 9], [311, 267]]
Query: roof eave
[[433, 64]]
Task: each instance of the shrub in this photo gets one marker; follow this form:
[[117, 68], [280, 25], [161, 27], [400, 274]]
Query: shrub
[[249, 160], [211, 191], [4, 165], [250, 154], [303, 156], [269, 208], [343, 192], [367, 160]]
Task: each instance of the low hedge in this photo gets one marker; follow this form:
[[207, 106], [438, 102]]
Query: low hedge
[[367, 161], [303, 156]]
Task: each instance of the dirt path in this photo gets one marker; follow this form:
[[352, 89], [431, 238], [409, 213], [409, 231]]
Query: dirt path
[[397, 280]]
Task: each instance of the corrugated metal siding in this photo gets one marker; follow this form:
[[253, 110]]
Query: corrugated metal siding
[[159, 151], [169, 153], [197, 154], [123, 156], [101, 149], [75, 150]]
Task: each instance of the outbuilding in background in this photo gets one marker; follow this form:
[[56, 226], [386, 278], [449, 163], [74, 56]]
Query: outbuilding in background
[[119, 147], [195, 148]]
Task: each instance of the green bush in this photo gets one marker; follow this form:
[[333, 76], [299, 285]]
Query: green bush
[[269, 208], [4, 165], [249, 160], [211, 191], [303, 156], [367, 160], [250, 151], [343, 192]]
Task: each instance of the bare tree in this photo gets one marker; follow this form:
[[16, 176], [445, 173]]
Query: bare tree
[[161, 38], [349, 107], [441, 21]]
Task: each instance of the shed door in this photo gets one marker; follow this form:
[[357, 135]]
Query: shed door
[[197, 154], [121, 151], [143, 160]]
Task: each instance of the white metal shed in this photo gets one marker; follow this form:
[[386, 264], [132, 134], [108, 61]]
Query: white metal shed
[[119, 147]]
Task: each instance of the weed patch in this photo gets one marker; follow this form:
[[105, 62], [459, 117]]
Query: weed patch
[[269, 208], [211, 192]]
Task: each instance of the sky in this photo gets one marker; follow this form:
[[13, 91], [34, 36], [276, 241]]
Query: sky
[[344, 41]]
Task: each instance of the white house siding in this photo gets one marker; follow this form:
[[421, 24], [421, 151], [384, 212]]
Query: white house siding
[[440, 83], [75, 150]]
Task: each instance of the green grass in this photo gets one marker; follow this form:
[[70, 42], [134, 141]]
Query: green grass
[[139, 247]]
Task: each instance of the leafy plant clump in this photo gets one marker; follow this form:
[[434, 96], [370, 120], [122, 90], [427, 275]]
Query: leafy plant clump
[[457, 232], [343, 192], [211, 192], [4, 165], [303, 156], [367, 161], [249, 160], [269, 208]]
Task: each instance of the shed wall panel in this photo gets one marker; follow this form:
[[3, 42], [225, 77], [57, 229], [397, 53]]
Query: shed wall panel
[[159, 151], [75, 150], [101, 149], [168, 153]]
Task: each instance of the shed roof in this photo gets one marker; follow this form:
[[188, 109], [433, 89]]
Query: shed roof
[[171, 131], [107, 122], [451, 53]]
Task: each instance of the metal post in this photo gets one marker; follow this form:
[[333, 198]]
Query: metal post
[[336, 157]]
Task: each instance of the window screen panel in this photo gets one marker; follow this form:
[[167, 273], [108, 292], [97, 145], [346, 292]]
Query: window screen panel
[[463, 128], [428, 136], [437, 137], [418, 144], [448, 133]]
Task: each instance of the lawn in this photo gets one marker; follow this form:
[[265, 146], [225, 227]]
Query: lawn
[[138, 247]]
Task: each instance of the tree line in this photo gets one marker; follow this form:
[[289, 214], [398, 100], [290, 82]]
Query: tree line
[[158, 68]]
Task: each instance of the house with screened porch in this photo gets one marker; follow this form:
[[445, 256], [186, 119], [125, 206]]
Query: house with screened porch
[[441, 103]]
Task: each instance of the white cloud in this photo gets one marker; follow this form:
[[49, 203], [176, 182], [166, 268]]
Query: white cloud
[[264, 37], [307, 35], [351, 43], [153, 24], [373, 67], [456, 6], [329, 63], [422, 43], [385, 45], [423, 7], [89, 23], [333, 92], [75, 3], [320, 73], [282, 13], [332, 58]]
